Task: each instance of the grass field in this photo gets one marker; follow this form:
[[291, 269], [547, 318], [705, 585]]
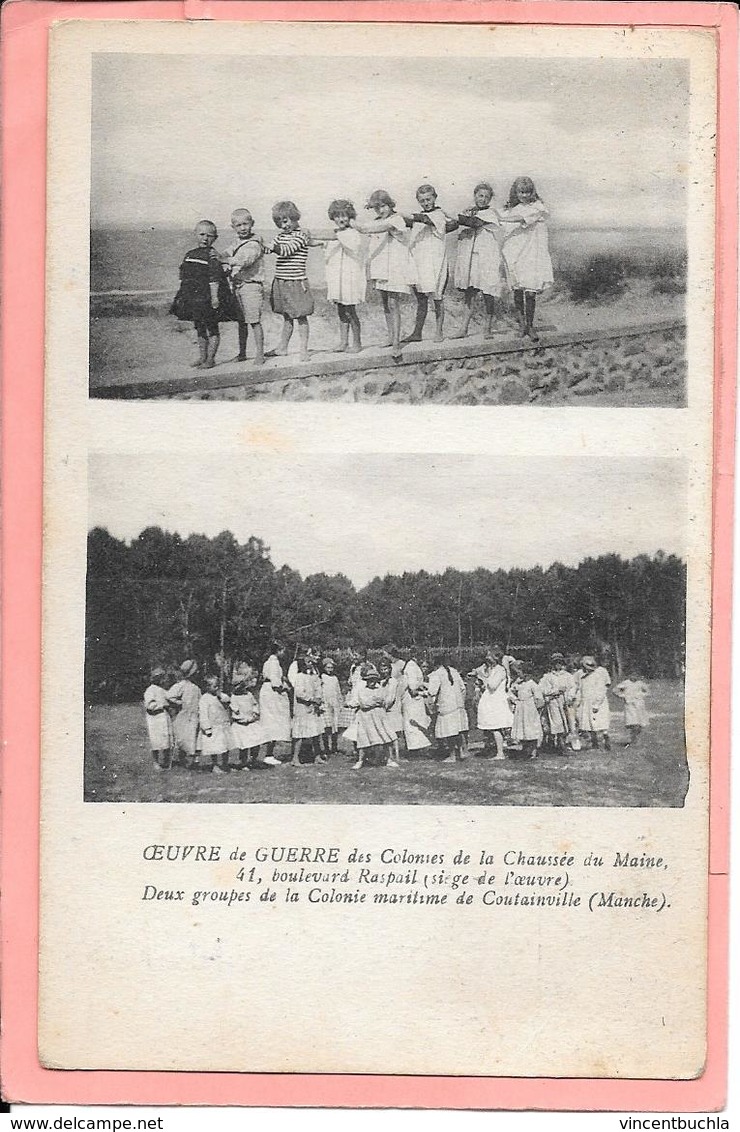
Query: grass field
[[118, 768]]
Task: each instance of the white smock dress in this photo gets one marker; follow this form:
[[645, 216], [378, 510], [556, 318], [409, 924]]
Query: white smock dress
[[593, 708], [416, 721], [428, 248], [494, 712], [444, 695], [274, 704], [246, 732], [158, 720], [478, 262], [389, 261], [345, 259], [526, 249]]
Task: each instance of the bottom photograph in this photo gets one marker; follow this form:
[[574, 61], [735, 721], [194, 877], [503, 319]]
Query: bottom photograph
[[386, 629]]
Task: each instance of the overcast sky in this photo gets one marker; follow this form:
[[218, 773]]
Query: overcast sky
[[371, 515], [177, 138]]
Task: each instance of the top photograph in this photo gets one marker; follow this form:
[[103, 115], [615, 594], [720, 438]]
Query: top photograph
[[415, 230]]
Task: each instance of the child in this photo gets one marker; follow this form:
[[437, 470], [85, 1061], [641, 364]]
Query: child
[[478, 262], [633, 691], [291, 295], [246, 734], [158, 721], [528, 702], [526, 251], [213, 717], [416, 721], [184, 696], [494, 714], [393, 689], [372, 730], [593, 706], [445, 697], [389, 261], [331, 706], [247, 265], [202, 294], [428, 249], [346, 280], [274, 703], [557, 688], [307, 715]]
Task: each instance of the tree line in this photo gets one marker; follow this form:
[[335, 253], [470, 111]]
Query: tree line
[[162, 598]]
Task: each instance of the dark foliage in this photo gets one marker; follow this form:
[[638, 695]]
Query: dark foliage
[[162, 598]]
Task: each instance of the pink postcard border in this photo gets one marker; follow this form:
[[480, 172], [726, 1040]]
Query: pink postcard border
[[25, 25]]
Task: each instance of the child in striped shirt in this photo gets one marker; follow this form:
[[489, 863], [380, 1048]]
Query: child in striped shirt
[[291, 295]]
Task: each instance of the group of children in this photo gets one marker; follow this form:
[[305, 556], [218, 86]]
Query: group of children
[[400, 705], [402, 254]]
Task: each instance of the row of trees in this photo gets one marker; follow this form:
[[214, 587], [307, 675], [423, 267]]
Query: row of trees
[[163, 598]]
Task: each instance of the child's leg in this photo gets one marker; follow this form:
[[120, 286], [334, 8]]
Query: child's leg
[[607, 741], [529, 305], [224, 761], [343, 328], [393, 755], [295, 754], [519, 308], [317, 753], [354, 322], [470, 293], [422, 306], [335, 742], [395, 323], [157, 760], [448, 749], [360, 758], [634, 731], [202, 333], [499, 740], [213, 344], [286, 334], [259, 343], [439, 318], [303, 337], [529, 747], [594, 740], [325, 741], [243, 331], [490, 304]]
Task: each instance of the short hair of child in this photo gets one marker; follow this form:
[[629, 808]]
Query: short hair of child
[[525, 183], [207, 224], [242, 214], [283, 209], [342, 207], [484, 185], [378, 198], [426, 188]]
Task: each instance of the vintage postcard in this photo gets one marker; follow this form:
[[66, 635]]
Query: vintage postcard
[[382, 413]]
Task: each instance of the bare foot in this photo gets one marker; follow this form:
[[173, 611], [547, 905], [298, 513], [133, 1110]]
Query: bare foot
[[259, 360], [340, 349], [355, 349], [197, 365], [304, 356], [410, 338], [439, 337]]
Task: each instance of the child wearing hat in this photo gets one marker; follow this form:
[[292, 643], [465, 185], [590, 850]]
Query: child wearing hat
[[372, 729], [184, 696], [158, 721]]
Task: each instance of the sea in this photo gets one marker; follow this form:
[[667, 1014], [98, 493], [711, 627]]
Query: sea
[[144, 261]]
